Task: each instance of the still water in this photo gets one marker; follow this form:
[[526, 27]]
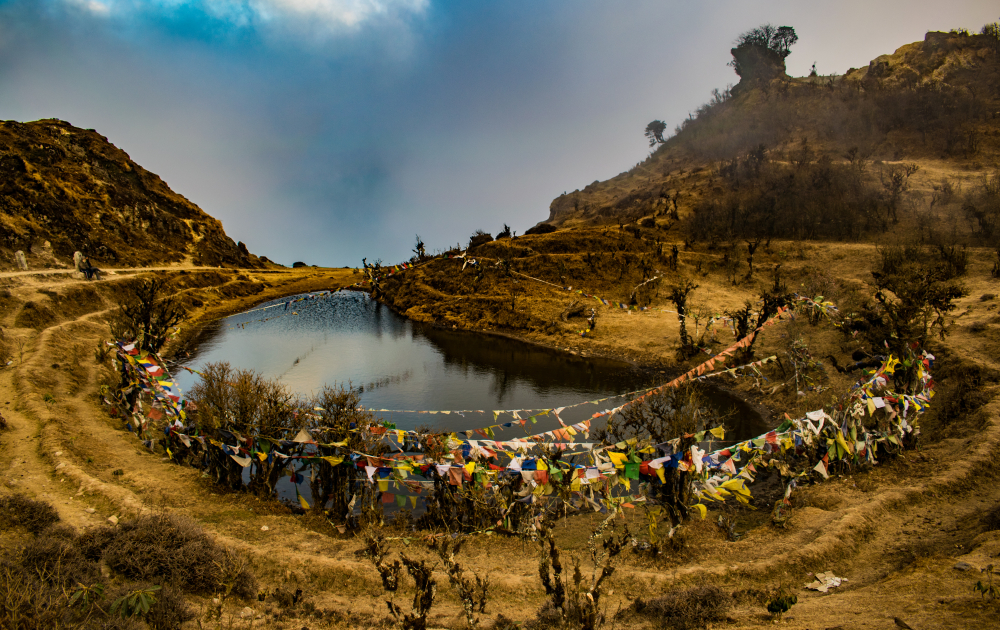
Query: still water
[[348, 338]]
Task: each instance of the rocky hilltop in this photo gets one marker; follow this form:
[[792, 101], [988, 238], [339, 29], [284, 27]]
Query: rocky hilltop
[[935, 103], [65, 189]]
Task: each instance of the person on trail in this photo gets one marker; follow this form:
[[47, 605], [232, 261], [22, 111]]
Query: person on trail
[[592, 320], [90, 272]]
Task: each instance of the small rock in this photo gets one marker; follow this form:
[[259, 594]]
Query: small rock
[[58, 453], [90, 510], [61, 464], [113, 519], [963, 566], [216, 601], [264, 528], [246, 613]]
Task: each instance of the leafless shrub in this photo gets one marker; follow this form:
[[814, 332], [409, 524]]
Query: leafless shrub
[[472, 593], [177, 550], [423, 598], [686, 609], [572, 600], [17, 510], [146, 314], [25, 605], [53, 556], [376, 549], [94, 540], [332, 413]]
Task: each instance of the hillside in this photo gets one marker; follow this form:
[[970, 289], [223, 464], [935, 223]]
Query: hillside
[[76, 191], [934, 103]]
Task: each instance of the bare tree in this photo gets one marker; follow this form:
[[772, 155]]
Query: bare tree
[[895, 181], [679, 295], [146, 314]]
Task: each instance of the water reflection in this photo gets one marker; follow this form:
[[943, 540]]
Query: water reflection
[[402, 365], [349, 338]]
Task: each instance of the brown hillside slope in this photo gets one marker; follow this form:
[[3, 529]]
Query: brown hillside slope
[[74, 189], [935, 103]]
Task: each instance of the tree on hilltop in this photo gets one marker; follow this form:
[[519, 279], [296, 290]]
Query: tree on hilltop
[[777, 39], [760, 52], [654, 132]]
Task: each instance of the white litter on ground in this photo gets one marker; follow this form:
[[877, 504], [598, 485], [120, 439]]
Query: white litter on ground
[[825, 581]]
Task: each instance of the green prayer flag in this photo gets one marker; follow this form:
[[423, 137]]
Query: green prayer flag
[[631, 471]]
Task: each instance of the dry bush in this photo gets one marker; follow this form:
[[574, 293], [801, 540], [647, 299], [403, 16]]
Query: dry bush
[[54, 557], [990, 520], [17, 510], [964, 387], [55, 581], [376, 550], [26, 606], [690, 608], [913, 291], [94, 540], [503, 623], [176, 550], [231, 402], [472, 593], [423, 597], [574, 601], [335, 409]]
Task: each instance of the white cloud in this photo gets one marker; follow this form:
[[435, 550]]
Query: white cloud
[[349, 13], [93, 6], [331, 14]]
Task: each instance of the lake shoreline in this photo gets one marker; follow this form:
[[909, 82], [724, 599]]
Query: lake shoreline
[[659, 372]]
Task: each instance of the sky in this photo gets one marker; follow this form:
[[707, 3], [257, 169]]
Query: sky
[[325, 131]]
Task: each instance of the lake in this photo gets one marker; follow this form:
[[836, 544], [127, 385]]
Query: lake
[[404, 366]]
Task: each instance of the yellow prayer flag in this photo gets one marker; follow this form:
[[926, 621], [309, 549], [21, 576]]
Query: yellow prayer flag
[[736, 485], [843, 443]]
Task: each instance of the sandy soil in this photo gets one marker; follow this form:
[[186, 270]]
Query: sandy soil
[[896, 532]]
